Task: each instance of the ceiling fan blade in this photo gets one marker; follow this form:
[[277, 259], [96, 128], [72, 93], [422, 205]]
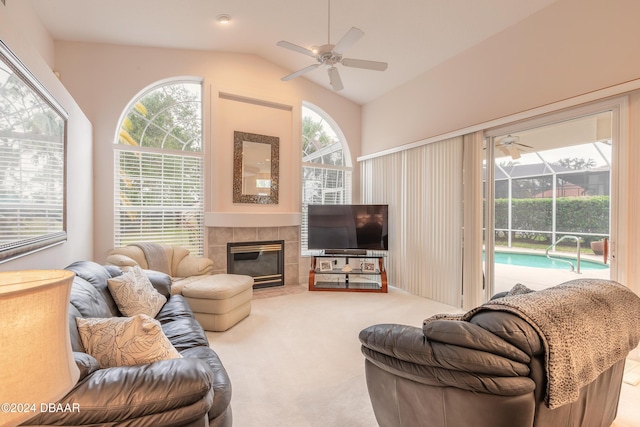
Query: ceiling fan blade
[[352, 36], [300, 72], [296, 48], [334, 79], [514, 152], [361, 63], [523, 145], [503, 149]]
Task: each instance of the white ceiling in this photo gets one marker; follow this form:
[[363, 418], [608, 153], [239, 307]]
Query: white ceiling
[[413, 36]]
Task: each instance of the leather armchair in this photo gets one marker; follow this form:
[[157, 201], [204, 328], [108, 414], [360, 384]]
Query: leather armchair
[[175, 261], [486, 370]]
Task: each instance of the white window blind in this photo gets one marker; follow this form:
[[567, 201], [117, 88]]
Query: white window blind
[[31, 193], [326, 166], [159, 170], [32, 149], [156, 198]]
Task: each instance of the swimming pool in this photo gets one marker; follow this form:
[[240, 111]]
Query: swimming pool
[[541, 261]]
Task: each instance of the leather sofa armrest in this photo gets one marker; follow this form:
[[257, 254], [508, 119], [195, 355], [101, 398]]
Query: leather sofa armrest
[[469, 335], [120, 260], [512, 329], [112, 395], [184, 264], [409, 344], [404, 351], [86, 363], [399, 341], [193, 266], [127, 256]]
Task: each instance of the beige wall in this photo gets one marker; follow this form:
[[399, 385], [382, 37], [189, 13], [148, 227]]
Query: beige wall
[[268, 120], [22, 32], [104, 78], [569, 48]]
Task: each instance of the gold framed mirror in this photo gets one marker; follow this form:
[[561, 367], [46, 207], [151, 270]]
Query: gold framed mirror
[[255, 168]]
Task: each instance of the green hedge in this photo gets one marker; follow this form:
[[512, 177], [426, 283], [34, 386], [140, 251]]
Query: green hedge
[[574, 215]]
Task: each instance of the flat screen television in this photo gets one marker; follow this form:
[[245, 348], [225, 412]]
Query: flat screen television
[[348, 227]]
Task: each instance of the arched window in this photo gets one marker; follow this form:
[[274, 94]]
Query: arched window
[[158, 168], [326, 164]]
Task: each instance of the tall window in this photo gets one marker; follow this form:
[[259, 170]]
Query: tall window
[[326, 164], [159, 168], [32, 163]]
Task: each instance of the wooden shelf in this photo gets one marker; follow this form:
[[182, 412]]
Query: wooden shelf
[[348, 286]]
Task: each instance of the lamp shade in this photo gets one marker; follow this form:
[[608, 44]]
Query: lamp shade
[[36, 360]]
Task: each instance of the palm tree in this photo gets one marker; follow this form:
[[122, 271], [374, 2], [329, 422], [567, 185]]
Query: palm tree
[[314, 137]]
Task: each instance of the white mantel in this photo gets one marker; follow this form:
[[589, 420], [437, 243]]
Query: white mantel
[[249, 219]]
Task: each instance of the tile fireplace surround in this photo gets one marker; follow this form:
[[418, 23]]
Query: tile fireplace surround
[[222, 230]]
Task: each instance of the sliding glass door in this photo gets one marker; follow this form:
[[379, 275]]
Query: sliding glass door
[[548, 200]]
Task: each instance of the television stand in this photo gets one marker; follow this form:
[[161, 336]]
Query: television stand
[[369, 274], [345, 251]]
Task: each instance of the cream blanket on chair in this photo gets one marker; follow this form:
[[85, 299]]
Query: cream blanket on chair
[[156, 256], [586, 326]]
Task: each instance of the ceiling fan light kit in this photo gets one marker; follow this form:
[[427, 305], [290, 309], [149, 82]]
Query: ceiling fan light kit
[[330, 55]]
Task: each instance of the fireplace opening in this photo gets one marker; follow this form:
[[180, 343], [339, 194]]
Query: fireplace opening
[[264, 261]]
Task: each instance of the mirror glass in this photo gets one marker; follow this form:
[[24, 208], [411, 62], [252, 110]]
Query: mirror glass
[[255, 168]]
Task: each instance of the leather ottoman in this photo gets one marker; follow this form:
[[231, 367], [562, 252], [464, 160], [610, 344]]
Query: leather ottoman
[[219, 301]]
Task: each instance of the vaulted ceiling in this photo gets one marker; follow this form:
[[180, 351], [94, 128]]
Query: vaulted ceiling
[[412, 36]]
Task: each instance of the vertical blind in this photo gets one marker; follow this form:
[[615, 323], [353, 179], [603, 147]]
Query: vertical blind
[[473, 293], [423, 188]]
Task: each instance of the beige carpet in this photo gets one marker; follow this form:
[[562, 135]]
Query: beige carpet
[[296, 361]]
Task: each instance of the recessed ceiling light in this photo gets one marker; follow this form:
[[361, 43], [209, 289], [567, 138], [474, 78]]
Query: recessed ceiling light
[[223, 19]]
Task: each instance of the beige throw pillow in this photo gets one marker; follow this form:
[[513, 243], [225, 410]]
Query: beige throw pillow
[[125, 341], [134, 294]]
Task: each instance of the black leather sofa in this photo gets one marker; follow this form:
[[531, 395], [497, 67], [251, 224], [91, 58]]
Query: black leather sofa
[[193, 390]]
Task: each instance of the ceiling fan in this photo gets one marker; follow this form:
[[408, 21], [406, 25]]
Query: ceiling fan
[[510, 146], [328, 55]]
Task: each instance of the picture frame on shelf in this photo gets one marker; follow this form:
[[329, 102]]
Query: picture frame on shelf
[[325, 265], [369, 267]]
